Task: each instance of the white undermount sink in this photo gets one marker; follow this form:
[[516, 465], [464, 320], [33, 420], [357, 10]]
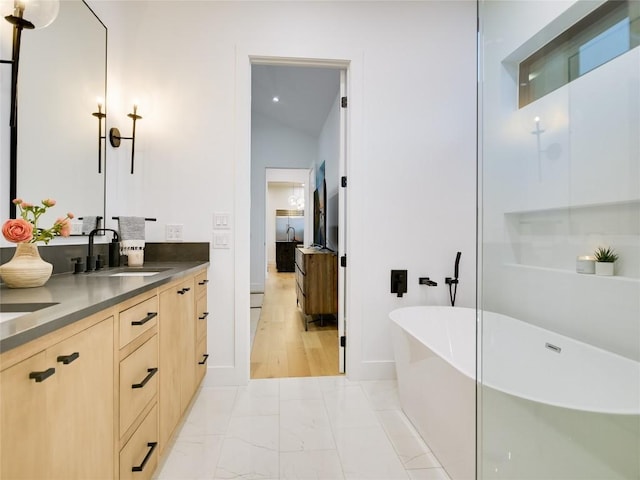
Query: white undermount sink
[[129, 272], [9, 311], [134, 274]]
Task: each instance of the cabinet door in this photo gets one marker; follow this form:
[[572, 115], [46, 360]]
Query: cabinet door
[[169, 332], [177, 332], [80, 410], [188, 342], [23, 423]]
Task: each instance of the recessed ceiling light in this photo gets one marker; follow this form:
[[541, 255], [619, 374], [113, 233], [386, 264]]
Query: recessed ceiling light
[[275, 99]]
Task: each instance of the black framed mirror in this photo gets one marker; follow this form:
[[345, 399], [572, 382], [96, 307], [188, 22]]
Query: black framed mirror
[[62, 77]]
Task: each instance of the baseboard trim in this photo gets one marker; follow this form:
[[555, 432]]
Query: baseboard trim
[[224, 376], [373, 370]]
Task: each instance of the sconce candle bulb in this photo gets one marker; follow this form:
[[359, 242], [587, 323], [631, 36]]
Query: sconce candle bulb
[[100, 116], [115, 137]]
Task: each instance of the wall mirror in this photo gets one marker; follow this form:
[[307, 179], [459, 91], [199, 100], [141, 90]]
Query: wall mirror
[[62, 75]]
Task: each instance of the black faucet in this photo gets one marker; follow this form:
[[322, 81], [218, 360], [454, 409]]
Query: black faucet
[[91, 259], [427, 281], [294, 233]]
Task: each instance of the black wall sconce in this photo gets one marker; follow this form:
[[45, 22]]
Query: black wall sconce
[[40, 15], [115, 137], [100, 116]]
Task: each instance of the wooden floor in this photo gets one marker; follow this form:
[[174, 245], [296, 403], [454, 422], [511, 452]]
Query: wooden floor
[[281, 347]]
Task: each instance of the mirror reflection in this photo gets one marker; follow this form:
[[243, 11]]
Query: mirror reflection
[[62, 78]]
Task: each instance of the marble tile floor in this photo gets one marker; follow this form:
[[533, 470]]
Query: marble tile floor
[[299, 428]]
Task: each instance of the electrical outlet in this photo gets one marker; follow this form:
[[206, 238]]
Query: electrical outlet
[[173, 233], [76, 228]]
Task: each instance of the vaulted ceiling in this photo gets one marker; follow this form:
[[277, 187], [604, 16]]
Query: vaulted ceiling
[[305, 95]]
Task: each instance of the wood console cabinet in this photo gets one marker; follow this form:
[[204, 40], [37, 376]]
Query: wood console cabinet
[[317, 281]]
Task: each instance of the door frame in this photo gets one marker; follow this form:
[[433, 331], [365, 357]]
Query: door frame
[[343, 67]]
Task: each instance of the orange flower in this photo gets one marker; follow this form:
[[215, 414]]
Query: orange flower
[[63, 226], [17, 230], [26, 229]]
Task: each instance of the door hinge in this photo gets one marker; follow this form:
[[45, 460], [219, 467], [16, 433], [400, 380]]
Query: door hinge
[[343, 260], [343, 182], [343, 102], [343, 341]]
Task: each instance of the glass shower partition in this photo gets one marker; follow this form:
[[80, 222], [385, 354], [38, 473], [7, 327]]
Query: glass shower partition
[[558, 345]]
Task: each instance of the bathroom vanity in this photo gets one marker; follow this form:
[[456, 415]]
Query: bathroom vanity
[[95, 385]]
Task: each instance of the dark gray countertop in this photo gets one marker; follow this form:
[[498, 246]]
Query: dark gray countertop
[[78, 296]]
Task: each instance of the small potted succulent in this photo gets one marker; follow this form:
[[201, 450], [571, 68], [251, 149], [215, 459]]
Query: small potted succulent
[[605, 259]]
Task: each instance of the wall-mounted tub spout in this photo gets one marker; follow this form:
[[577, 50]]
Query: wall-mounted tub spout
[[427, 281]]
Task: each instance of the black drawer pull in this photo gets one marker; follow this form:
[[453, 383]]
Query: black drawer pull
[[152, 372], [183, 291], [204, 359], [149, 316], [203, 316], [140, 467], [203, 282], [42, 376], [67, 359], [186, 289]]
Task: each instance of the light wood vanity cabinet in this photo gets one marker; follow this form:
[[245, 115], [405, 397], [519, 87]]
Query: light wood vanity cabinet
[[56, 406], [101, 397]]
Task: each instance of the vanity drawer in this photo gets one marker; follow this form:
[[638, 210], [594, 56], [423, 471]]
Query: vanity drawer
[[138, 319], [299, 256], [202, 359], [138, 382], [201, 283], [202, 315], [139, 457]]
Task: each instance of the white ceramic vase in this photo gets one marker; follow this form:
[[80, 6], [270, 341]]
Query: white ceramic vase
[[26, 269]]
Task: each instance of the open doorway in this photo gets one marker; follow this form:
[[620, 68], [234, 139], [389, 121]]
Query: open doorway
[[295, 127]]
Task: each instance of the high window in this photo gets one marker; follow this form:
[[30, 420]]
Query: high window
[[610, 30]]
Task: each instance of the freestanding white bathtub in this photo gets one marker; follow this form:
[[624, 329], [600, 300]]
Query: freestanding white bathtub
[[549, 406]]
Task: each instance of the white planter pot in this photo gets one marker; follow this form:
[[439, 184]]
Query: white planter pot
[[604, 268]]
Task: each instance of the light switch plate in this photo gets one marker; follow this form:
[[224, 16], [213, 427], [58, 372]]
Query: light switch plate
[[221, 240], [221, 220]]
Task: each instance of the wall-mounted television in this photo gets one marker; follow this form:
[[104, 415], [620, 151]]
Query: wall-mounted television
[[320, 209], [319, 216]]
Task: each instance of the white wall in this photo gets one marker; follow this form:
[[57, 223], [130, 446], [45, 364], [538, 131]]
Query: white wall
[[411, 145], [543, 208], [273, 145]]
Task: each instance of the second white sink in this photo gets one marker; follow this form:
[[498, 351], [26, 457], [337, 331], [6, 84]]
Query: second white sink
[[134, 274]]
